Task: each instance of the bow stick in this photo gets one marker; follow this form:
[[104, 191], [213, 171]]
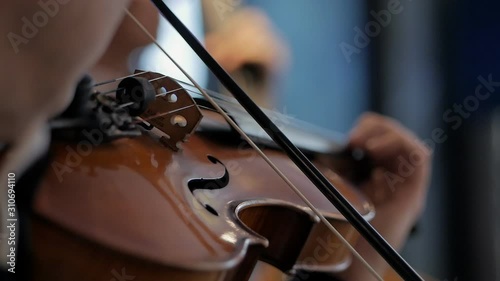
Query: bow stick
[[390, 255]]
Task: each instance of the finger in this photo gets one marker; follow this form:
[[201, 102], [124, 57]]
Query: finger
[[377, 189], [368, 126], [223, 51], [239, 44], [233, 56], [387, 145], [372, 125]]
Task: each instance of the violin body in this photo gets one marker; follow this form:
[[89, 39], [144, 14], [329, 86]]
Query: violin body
[[209, 211]]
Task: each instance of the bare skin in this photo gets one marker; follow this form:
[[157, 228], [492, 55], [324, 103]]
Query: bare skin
[[229, 44], [49, 64], [128, 37], [247, 37], [398, 185], [40, 68]]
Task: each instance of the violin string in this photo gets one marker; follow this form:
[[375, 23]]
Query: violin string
[[230, 103], [129, 76], [109, 92], [258, 150], [233, 106], [213, 94], [123, 105], [158, 78], [156, 96], [119, 79], [167, 113], [140, 119], [160, 95]]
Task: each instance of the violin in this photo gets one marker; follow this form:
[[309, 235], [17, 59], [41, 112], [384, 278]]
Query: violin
[[131, 200], [214, 206]]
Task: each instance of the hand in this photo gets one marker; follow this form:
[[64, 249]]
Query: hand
[[402, 172], [247, 37], [398, 185]]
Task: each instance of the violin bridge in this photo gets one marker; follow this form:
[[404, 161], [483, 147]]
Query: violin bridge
[[173, 112]]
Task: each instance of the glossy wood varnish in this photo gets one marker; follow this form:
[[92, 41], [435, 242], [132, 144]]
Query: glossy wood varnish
[[127, 204]]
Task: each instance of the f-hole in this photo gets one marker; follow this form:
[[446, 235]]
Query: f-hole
[[209, 184]]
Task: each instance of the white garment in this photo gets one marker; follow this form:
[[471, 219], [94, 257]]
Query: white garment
[[191, 14]]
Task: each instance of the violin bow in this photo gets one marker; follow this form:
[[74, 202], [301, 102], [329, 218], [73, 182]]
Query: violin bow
[[366, 230]]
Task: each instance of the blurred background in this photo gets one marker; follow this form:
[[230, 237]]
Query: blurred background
[[426, 60], [428, 65]]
